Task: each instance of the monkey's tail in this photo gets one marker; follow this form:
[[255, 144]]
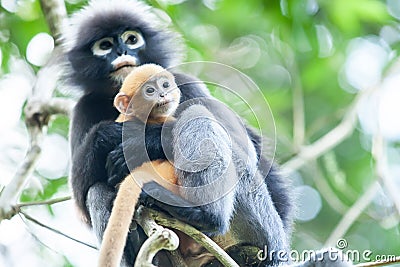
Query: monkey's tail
[[114, 238]]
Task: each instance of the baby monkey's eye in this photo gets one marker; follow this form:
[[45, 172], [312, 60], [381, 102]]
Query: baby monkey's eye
[[165, 84], [150, 90]]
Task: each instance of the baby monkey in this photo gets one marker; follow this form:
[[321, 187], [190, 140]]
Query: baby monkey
[[150, 94]]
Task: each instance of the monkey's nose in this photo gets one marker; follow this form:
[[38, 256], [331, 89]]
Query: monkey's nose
[[120, 53]]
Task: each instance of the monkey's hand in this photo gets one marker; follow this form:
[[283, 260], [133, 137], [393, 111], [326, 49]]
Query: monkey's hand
[[138, 146], [158, 197], [108, 134], [116, 165]]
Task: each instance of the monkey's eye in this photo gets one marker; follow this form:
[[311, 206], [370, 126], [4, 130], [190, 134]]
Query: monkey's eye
[[132, 39], [103, 46], [165, 84], [150, 90]]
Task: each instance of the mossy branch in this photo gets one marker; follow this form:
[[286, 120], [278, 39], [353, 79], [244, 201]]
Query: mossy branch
[[198, 236], [159, 238]]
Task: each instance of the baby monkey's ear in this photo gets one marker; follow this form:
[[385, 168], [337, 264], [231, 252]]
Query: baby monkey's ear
[[121, 103]]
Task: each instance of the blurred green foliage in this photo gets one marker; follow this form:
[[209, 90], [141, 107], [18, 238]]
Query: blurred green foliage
[[281, 45]]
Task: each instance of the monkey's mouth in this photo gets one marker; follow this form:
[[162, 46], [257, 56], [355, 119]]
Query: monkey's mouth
[[124, 61], [126, 64], [164, 103], [121, 67]]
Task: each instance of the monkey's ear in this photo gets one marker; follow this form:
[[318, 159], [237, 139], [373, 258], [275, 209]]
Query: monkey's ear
[[121, 102]]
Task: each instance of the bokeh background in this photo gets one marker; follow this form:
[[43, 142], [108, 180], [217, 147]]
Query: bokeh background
[[330, 72]]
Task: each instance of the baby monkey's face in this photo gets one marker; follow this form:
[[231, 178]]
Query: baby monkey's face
[[161, 95]]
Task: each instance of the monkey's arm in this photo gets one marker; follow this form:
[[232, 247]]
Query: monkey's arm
[[139, 145], [91, 142], [158, 197]]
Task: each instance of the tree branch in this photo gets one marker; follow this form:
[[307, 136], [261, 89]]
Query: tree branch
[[352, 214], [298, 110], [159, 238], [38, 111], [380, 156], [198, 236], [37, 118], [12, 191], [326, 191], [327, 142], [55, 14], [28, 217], [44, 202], [15, 209]]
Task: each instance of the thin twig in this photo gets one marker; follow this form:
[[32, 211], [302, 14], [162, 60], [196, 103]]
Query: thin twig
[[330, 163], [380, 156], [14, 210], [326, 191], [28, 217], [198, 236], [352, 214], [44, 202], [325, 143], [17, 210], [298, 111]]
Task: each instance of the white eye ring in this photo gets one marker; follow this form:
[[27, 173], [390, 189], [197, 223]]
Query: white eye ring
[[164, 83], [149, 90], [103, 46], [132, 39]]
